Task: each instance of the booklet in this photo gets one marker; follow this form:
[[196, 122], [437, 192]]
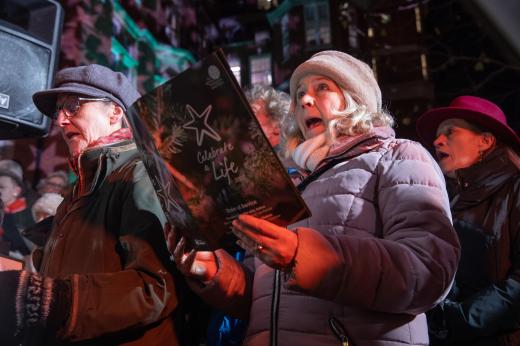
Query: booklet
[[207, 157]]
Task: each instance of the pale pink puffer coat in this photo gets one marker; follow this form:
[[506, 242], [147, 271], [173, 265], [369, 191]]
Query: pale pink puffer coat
[[378, 251]]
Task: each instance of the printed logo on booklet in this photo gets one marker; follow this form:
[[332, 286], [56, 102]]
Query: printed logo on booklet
[[214, 80]]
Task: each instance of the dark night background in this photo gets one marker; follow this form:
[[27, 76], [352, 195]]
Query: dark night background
[[424, 53]]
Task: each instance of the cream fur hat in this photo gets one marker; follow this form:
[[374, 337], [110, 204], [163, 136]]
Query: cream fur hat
[[351, 74]]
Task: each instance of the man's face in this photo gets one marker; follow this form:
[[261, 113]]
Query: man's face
[[9, 189], [91, 121]]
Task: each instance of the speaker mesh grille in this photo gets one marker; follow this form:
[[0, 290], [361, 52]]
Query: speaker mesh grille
[[23, 71]]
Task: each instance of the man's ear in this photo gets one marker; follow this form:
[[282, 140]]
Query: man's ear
[[116, 114]]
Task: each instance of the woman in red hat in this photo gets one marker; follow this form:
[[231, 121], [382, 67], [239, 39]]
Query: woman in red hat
[[477, 151]]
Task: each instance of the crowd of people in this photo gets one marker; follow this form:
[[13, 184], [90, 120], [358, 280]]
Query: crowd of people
[[23, 207], [402, 248]]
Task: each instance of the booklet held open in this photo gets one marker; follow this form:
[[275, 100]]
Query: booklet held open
[[207, 157]]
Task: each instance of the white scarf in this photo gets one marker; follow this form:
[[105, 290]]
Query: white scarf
[[308, 154]]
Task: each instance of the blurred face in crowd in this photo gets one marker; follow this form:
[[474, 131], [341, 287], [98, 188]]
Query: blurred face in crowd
[[270, 126], [54, 184], [317, 97], [90, 121], [9, 190], [460, 145]]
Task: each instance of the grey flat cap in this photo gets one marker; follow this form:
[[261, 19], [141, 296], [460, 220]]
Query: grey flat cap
[[91, 81]]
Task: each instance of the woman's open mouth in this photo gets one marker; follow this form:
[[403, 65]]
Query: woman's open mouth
[[441, 155], [313, 122]]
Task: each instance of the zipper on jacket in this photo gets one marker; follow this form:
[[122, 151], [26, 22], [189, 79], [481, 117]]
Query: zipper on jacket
[[338, 330], [275, 302]]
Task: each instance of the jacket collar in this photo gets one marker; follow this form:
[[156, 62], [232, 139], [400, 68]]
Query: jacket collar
[[477, 182], [350, 146], [95, 164]]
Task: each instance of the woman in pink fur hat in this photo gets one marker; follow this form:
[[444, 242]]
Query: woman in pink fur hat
[[478, 152]]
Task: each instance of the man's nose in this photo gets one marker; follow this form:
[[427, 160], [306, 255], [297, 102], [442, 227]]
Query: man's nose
[[62, 119]]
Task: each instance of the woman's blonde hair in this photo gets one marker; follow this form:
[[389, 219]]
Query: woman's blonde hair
[[353, 120]]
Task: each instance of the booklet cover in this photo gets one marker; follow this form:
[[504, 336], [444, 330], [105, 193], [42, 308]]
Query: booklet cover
[[207, 156]]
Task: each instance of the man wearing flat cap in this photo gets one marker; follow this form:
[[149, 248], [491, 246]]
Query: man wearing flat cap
[[105, 275]]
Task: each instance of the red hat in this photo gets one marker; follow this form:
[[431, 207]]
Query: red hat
[[475, 110]]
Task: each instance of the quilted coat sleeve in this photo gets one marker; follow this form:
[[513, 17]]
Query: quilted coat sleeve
[[407, 269], [142, 292]]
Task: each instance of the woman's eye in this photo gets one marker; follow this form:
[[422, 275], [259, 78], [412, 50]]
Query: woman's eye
[[323, 86], [300, 94]]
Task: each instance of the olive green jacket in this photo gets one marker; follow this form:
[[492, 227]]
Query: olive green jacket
[[107, 242]]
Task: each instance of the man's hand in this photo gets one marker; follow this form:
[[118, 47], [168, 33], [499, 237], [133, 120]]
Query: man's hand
[[200, 265]]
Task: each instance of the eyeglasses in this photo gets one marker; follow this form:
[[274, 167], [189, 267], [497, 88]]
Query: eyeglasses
[[71, 105]]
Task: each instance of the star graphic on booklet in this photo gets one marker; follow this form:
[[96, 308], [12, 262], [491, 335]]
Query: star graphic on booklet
[[199, 124]]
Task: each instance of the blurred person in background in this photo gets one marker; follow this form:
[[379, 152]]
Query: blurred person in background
[[270, 106], [379, 249], [17, 211], [4, 245], [56, 182], [46, 206], [13, 166], [478, 153]]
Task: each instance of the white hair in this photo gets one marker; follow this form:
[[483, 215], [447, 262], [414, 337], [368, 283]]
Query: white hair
[[47, 204], [353, 120], [276, 102]]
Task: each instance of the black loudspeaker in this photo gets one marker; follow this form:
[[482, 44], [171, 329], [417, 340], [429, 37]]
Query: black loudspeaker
[[30, 33]]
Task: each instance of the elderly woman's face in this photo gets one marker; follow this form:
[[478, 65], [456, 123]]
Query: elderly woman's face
[[317, 98], [92, 121], [270, 126], [458, 146]]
